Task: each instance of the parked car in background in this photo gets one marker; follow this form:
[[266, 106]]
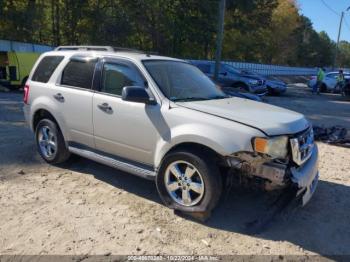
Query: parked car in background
[[330, 81], [232, 93], [274, 85], [15, 67], [232, 77]]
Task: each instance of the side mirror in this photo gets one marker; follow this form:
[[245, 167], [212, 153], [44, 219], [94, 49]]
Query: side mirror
[[137, 94], [223, 73]]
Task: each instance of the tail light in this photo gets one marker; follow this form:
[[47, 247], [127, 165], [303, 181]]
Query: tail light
[[26, 94]]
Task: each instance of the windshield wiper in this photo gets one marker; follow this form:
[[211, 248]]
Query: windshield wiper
[[190, 99], [219, 97]]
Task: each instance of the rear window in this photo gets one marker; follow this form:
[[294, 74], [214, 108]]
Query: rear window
[[78, 74], [46, 68]]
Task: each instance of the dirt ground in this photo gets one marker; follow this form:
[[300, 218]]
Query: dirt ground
[[86, 208]]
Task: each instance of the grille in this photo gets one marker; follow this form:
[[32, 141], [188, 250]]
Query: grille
[[302, 146]]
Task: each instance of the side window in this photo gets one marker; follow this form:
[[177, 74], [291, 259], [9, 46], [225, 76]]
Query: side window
[[116, 76], [46, 67], [78, 74]]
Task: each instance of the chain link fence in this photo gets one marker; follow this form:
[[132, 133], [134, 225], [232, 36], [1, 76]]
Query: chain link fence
[[265, 69]]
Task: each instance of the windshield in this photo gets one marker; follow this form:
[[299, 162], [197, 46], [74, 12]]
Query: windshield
[[248, 72], [231, 69], [180, 81]]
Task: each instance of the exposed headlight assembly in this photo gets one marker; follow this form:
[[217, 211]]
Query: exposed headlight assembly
[[276, 147]]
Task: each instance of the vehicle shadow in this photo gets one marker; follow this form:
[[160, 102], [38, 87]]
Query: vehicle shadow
[[321, 227]]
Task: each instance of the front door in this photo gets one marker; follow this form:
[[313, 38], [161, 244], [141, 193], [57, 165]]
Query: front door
[[124, 129]]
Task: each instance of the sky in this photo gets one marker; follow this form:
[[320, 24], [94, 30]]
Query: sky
[[327, 18]]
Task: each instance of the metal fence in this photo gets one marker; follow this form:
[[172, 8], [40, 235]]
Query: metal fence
[[7, 45], [265, 69]]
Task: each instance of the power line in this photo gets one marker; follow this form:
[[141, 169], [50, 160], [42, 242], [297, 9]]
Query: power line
[[330, 8]]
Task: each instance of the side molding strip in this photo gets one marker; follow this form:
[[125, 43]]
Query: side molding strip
[[127, 167]]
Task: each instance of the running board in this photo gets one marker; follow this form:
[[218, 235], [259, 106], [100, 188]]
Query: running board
[[118, 164]]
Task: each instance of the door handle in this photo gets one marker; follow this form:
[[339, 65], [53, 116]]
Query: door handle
[[105, 108], [59, 97]]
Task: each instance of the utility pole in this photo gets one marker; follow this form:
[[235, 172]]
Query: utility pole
[[337, 46], [220, 35], [339, 32]]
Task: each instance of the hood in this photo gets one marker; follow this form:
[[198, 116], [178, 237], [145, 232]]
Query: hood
[[271, 120], [255, 77]]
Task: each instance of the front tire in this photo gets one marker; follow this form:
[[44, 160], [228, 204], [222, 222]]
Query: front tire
[[50, 142], [189, 182]]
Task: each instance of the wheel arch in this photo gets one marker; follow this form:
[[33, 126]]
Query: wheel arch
[[195, 147], [191, 147], [43, 113]]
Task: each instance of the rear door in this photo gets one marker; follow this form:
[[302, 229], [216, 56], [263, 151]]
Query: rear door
[[72, 95]]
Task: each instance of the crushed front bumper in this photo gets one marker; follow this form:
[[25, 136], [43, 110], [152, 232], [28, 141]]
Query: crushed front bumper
[[252, 170], [306, 177]]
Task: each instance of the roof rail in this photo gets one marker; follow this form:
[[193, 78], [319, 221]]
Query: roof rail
[[84, 47], [98, 48], [124, 49]]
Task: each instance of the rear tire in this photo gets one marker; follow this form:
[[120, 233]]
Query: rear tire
[[50, 142], [189, 181]]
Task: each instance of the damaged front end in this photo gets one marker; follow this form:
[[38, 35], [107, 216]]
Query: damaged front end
[[299, 170]]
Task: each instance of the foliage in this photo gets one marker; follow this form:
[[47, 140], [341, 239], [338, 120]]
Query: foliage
[[265, 31]]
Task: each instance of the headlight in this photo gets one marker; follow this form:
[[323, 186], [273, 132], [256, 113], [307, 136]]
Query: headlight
[[275, 147], [253, 82]]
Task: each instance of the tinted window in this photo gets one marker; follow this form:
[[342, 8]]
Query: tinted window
[[46, 68], [204, 68], [230, 69], [117, 76], [79, 74]]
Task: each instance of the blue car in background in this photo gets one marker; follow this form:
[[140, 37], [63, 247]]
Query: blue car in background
[[273, 84], [232, 77]]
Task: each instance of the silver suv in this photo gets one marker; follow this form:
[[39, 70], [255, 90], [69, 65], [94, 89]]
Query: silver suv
[[163, 119]]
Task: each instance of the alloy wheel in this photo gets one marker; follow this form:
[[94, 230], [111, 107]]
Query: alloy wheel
[[47, 142], [184, 183]]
